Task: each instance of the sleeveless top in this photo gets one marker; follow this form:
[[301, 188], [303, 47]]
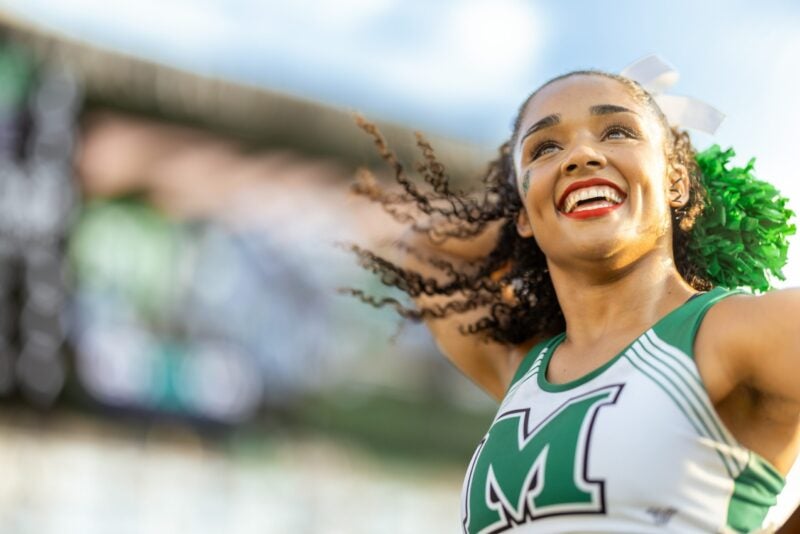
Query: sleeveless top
[[633, 446]]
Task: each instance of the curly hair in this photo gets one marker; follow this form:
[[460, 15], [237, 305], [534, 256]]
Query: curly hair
[[512, 283]]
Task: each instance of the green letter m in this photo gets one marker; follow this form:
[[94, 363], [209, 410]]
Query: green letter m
[[519, 474]]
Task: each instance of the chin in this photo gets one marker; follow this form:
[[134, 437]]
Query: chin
[[598, 250], [613, 247]]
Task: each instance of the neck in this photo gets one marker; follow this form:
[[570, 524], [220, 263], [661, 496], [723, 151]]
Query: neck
[[622, 302]]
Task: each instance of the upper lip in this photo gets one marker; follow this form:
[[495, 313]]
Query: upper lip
[[588, 183]]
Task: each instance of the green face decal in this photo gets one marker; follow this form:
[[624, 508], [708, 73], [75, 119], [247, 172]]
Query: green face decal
[[520, 474], [526, 181]]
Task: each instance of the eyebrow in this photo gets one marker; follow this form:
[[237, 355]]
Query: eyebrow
[[605, 109], [552, 120]]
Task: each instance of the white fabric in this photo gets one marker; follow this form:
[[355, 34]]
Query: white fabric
[[656, 76], [660, 476]]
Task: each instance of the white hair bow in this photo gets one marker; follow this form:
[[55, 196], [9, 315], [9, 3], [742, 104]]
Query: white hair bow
[[656, 76]]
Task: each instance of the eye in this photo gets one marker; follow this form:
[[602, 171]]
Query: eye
[[618, 131], [543, 148]]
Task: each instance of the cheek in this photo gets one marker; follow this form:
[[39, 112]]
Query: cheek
[[536, 185], [655, 197], [649, 172], [659, 181], [539, 197]]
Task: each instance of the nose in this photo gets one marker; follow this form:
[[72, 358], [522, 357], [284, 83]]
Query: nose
[[583, 157]]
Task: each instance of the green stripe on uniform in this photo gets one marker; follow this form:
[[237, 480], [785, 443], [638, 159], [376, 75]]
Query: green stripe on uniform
[[701, 401], [675, 393], [755, 490]]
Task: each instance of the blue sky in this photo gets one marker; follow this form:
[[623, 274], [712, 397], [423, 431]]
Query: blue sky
[[461, 68]]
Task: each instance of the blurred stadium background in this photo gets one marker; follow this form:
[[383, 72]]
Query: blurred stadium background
[[173, 353]]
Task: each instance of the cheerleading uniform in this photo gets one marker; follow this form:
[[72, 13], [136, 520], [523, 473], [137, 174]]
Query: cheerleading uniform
[[634, 446]]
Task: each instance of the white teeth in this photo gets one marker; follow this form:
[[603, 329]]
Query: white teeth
[[610, 195]]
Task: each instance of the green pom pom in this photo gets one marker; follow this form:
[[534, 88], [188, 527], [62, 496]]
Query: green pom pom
[[742, 236]]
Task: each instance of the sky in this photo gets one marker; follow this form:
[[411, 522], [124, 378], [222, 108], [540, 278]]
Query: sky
[[460, 68]]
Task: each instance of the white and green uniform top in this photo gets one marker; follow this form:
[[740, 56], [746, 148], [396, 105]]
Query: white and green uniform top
[[634, 446]]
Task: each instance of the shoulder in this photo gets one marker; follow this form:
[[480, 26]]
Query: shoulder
[[742, 322], [751, 339]]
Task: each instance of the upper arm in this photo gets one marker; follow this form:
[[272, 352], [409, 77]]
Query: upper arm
[[489, 364], [758, 338]]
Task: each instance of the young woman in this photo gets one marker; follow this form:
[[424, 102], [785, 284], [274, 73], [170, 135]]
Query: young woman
[[635, 397]]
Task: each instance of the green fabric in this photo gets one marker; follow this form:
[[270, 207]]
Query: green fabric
[[680, 328], [500, 472], [549, 386], [741, 239], [755, 490], [756, 487], [527, 362]]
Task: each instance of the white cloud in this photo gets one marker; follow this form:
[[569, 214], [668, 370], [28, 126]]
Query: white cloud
[[443, 53], [480, 51]]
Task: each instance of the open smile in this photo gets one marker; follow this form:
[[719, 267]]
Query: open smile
[[590, 198]]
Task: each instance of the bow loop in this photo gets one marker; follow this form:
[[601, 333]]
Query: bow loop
[[656, 76]]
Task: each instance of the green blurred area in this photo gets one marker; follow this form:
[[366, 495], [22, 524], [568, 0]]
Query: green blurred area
[[402, 428]]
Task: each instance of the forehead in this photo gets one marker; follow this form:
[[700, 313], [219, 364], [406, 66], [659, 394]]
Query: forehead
[[576, 94]]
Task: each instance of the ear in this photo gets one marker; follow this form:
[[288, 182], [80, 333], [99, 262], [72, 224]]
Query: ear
[[524, 228], [678, 192]]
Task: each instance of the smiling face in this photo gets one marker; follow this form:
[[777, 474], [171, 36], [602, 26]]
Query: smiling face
[[592, 173]]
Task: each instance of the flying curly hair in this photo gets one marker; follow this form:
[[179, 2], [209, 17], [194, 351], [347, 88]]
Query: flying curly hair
[[512, 282]]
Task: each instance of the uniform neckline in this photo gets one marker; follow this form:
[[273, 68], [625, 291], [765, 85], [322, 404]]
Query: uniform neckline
[[555, 341]]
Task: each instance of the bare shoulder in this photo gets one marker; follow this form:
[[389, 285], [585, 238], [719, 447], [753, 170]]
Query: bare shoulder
[[754, 340], [744, 322], [491, 365]]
